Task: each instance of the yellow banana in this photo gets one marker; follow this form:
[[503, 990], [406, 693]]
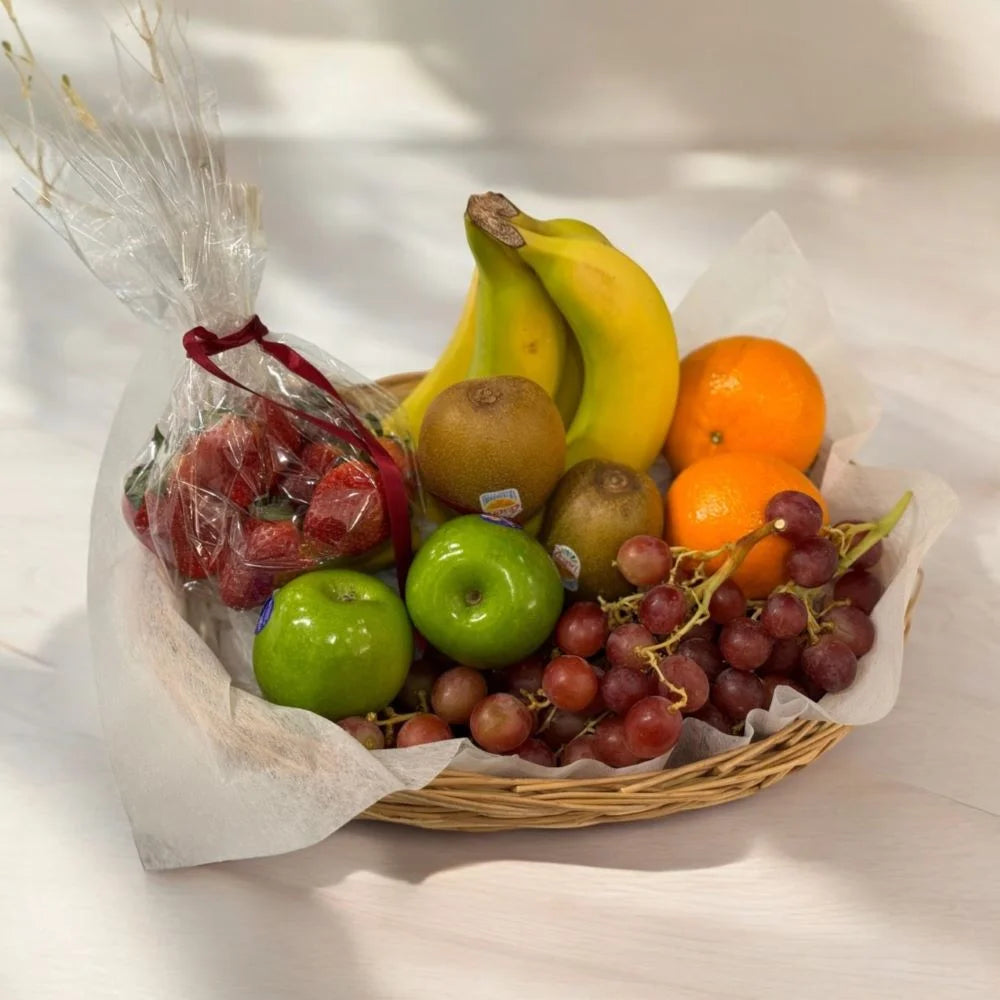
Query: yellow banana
[[575, 229], [570, 386], [456, 359], [518, 329], [626, 336], [452, 366]]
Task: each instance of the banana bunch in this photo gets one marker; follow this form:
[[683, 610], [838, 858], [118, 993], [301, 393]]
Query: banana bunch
[[552, 300]]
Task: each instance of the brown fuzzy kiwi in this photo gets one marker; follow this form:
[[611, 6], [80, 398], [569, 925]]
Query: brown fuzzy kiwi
[[595, 507], [483, 435]]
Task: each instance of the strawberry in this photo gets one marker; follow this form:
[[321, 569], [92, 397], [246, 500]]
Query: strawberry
[[278, 426], [269, 554], [137, 518], [347, 511], [137, 482], [186, 528], [230, 459], [399, 455], [316, 459]]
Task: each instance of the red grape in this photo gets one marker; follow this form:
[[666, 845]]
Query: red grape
[[652, 727], [784, 656], [501, 722], [703, 630], [830, 664], [644, 560], [784, 615], [727, 603], [525, 676], [536, 751], [623, 644], [367, 733], [869, 558], [597, 706], [570, 683], [610, 745], [803, 517], [852, 626], [684, 673], [705, 653], [737, 692], [562, 727], [710, 714], [812, 562], [860, 588], [418, 681], [422, 728], [745, 644], [622, 687], [771, 681], [812, 690], [582, 748], [456, 693], [582, 629], [663, 608]]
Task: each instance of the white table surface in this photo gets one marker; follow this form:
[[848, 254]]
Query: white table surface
[[872, 127]]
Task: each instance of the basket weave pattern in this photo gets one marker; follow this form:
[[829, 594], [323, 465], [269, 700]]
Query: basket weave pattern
[[458, 800]]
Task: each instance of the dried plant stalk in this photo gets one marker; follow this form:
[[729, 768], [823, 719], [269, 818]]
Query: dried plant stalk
[[141, 195]]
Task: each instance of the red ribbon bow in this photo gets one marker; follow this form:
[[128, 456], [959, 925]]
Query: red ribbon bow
[[202, 345]]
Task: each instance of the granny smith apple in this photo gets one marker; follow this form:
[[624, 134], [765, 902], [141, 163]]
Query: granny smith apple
[[334, 641], [483, 591]]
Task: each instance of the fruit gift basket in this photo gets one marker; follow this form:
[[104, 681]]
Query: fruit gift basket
[[603, 561]]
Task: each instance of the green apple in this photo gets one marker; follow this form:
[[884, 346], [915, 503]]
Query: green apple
[[334, 641], [483, 591]]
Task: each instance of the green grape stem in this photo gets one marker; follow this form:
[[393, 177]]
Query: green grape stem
[[702, 592], [874, 532]]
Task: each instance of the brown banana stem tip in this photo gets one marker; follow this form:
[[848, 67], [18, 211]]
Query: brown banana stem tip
[[499, 204], [481, 214]]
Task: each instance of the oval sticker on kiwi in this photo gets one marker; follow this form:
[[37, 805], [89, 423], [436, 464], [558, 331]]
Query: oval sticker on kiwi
[[568, 564]]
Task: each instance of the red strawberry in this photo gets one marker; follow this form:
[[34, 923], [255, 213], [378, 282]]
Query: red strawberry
[[187, 527], [137, 519], [269, 554], [347, 511], [399, 455], [316, 459], [231, 459], [278, 425]]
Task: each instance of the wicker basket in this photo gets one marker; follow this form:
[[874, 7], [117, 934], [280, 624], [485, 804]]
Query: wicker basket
[[457, 800]]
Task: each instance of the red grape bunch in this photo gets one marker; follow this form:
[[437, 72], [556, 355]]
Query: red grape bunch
[[617, 678]]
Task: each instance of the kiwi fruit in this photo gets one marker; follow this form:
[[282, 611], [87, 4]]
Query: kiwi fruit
[[488, 435], [595, 507]]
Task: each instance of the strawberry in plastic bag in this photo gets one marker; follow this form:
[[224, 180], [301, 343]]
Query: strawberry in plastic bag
[[269, 459]]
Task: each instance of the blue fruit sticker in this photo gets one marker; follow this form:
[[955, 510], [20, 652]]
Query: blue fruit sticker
[[265, 614]]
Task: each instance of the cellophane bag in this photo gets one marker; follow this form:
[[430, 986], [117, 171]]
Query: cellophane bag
[[271, 459]]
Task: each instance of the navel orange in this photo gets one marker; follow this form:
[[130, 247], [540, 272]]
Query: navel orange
[[721, 498], [746, 394]]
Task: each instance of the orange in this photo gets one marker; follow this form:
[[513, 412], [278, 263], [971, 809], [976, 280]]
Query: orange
[[746, 394], [722, 498]]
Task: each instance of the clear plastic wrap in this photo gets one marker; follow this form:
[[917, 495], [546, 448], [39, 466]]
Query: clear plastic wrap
[[270, 458]]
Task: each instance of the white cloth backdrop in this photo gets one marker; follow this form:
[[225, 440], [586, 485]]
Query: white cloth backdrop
[[871, 126]]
